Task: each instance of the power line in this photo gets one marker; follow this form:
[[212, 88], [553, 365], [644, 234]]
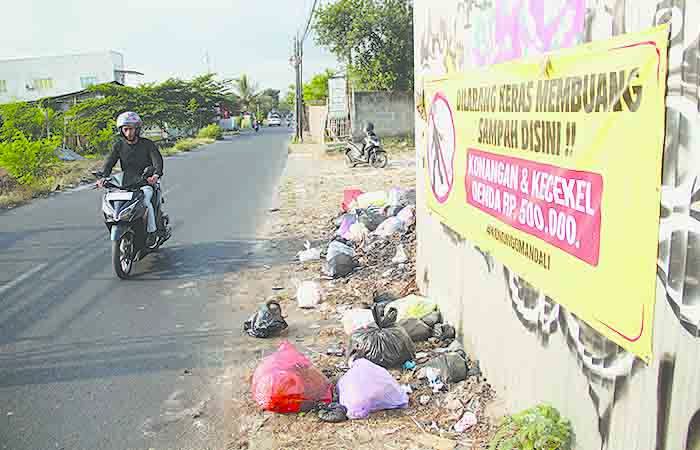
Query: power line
[[308, 22]]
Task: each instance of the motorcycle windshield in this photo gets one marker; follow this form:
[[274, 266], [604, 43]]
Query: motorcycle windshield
[[118, 179]]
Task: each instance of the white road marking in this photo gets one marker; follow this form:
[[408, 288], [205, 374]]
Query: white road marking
[[21, 278]]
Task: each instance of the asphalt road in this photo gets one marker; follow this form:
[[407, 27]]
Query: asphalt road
[[91, 362]]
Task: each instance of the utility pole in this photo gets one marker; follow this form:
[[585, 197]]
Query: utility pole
[[299, 110]]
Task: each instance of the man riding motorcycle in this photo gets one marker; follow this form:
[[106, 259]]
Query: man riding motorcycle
[[135, 154]]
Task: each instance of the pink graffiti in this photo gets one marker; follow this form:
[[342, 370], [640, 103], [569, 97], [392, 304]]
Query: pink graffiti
[[519, 28]]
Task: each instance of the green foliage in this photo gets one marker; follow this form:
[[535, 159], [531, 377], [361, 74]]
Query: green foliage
[[187, 145], [30, 120], [538, 428], [212, 131], [29, 161], [317, 88], [375, 38]]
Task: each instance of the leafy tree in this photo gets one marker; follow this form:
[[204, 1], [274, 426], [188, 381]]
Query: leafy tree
[[375, 38], [274, 96], [247, 92], [30, 120], [317, 88], [27, 160]]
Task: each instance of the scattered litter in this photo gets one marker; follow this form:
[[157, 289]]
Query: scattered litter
[[450, 367], [407, 388], [348, 221], [387, 345], [309, 294], [266, 321], [424, 399], [400, 257], [287, 382], [367, 387], [310, 254], [417, 330], [335, 350], [349, 196], [372, 218], [434, 379], [407, 216], [474, 370], [414, 306], [409, 365], [339, 266], [455, 346], [394, 197], [469, 419], [332, 413], [357, 232]]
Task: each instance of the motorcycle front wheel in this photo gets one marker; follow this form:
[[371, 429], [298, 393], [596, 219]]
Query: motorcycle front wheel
[[123, 255], [379, 160]]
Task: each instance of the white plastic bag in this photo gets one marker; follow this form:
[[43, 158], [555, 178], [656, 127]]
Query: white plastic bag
[[401, 256], [357, 233], [407, 216], [309, 294], [336, 248], [389, 227], [310, 254], [356, 319], [395, 196]]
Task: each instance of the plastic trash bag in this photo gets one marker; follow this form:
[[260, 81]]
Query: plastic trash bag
[[309, 294], [339, 266], [333, 413], [407, 216], [395, 196], [337, 248], [357, 233], [287, 382], [408, 197], [387, 345], [432, 319], [392, 211], [266, 321], [417, 330], [389, 227], [444, 332], [414, 306], [371, 218], [356, 319], [349, 196], [377, 198], [346, 223], [451, 367], [310, 254], [366, 388]]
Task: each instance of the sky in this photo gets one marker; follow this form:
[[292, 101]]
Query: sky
[[170, 38]]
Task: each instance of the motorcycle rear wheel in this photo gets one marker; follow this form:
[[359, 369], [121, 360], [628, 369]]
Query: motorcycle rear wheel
[[123, 255], [379, 160]]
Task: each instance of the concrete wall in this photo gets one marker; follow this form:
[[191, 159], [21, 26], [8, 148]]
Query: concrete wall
[[531, 348], [316, 123], [391, 112], [64, 71]]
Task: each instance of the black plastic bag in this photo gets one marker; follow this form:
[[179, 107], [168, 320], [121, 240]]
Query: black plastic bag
[[339, 266], [444, 332], [371, 218], [408, 197], [332, 413], [418, 330], [388, 345], [452, 367], [432, 319], [266, 321]]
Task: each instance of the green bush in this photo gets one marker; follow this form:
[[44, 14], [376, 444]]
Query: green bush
[[29, 161], [186, 145], [212, 131], [538, 428]]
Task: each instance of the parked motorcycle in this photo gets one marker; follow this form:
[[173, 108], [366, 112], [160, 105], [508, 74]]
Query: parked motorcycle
[[374, 153], [125, 212]]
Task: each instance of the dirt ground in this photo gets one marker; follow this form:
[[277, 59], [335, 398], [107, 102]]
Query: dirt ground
[[309, 198]]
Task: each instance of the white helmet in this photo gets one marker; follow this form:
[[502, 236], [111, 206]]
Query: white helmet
[[129, 118]]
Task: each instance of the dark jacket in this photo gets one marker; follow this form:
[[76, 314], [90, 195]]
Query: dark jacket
[[134, 159]]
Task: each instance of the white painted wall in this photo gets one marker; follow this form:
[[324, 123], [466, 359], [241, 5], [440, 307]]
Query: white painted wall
[[65, 71]]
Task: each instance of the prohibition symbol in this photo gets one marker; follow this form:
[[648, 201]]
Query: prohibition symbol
[[441, 148]]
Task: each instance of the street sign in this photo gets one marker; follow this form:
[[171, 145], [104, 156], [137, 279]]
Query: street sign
[[337, 98], [441, 148]]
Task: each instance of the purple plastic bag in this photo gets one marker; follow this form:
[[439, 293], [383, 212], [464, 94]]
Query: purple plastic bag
[[366, 388], [348, 221]]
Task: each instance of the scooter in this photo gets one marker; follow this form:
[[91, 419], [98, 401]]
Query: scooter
[[374, 153], [125, 213]]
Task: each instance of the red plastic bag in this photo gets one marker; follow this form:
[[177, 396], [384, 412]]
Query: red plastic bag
[[349, 195], [287, 382]]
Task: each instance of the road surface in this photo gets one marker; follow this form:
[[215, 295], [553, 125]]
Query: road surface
[[91, 362]]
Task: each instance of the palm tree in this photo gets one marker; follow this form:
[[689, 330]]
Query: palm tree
[[247, 92]]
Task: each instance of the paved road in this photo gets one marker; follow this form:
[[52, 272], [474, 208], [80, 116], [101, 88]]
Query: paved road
[[91, 362]]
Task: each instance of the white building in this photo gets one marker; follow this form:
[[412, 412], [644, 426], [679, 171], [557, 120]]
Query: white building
[[28, 79]]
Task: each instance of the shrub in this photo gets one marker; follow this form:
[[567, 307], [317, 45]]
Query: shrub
[[538, 428], [29, 161], [212, 131], [186, 145]]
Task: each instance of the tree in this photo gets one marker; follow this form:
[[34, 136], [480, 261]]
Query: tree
[[374, 37], [274, 96], [317, 88], [247, 92], [34, 122]]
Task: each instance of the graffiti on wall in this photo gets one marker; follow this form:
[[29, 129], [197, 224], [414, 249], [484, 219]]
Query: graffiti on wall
[[483, 32]]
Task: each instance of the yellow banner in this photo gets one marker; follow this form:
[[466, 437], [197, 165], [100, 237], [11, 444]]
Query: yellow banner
[[553, 165]]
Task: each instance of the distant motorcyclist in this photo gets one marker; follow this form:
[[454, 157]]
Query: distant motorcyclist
[[370, 135], [135, 154]]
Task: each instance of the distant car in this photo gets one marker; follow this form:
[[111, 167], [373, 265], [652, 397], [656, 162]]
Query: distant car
[[274, 120]]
